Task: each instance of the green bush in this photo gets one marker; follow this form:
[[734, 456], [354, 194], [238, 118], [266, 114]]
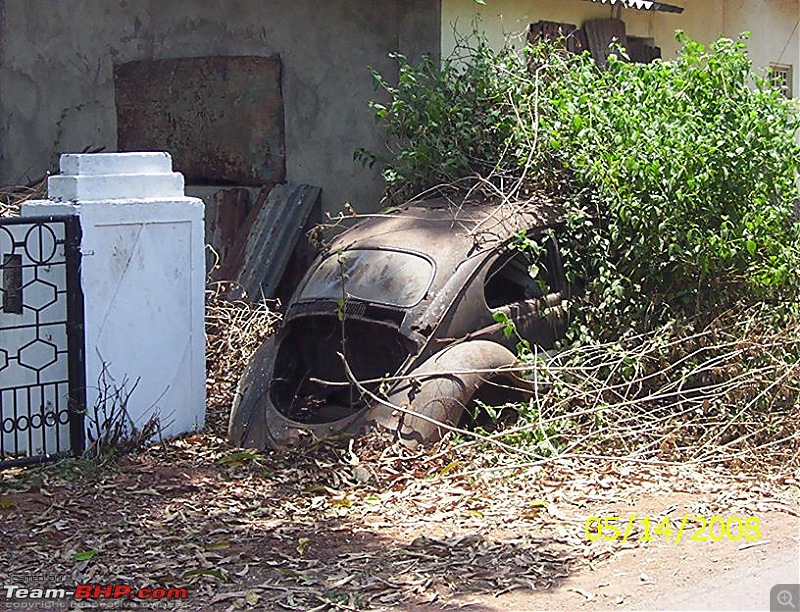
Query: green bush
[[447, 122], [679, 178]]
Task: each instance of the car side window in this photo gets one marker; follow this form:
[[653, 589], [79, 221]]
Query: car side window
[[517, 276]]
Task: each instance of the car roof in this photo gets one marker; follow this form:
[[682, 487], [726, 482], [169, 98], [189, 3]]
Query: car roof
[[443, 230]]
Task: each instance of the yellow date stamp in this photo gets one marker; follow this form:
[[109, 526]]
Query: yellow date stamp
[[673, 529]]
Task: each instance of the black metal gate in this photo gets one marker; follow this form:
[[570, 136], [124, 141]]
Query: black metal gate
[[42, 374]]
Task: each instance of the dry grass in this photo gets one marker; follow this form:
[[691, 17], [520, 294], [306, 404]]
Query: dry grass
[[234, 330], [725, 395], [12, 198]]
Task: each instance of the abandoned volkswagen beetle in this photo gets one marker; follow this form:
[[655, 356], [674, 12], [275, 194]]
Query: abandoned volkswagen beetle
[[405, 304]]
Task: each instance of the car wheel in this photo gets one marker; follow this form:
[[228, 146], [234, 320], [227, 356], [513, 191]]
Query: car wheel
[[441, 388]]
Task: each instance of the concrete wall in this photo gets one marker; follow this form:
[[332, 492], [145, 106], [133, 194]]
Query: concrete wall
[[773, 23], [57, 92]]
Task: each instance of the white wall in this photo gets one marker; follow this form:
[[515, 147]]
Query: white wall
[[775, 30]]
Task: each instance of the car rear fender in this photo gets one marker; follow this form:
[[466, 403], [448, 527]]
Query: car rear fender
[[440, 389]]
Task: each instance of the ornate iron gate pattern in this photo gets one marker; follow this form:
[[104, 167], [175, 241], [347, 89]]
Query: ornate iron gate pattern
[[42, 375]]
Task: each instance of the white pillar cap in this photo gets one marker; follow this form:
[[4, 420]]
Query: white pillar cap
[[115, 176]]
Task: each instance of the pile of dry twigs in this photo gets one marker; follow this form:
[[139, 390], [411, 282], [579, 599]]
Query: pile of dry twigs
[[726, 394], [234, 330], [11, 198]]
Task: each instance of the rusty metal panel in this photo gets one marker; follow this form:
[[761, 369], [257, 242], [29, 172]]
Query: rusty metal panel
[[221, 118], [228, 217], [600, 33], [273, 237], [567, 34]]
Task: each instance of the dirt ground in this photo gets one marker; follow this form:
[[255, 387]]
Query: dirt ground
[[367, 526], [692, 575]]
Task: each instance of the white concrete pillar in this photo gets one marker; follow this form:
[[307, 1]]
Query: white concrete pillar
[[143, 279]]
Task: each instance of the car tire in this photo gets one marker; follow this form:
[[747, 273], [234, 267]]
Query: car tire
[[441, 388]]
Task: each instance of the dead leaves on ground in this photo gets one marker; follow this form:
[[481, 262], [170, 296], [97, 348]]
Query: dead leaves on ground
[[294, 531], [356, 525], [427, 569]]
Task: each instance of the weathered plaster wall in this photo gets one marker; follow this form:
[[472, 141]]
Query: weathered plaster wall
[[57, 92], [773, 23]]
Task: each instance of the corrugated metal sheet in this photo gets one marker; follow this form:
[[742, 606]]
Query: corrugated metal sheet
[[273, 237], [643, 5]]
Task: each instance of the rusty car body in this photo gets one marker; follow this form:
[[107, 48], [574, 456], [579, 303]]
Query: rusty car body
[[407, 302]]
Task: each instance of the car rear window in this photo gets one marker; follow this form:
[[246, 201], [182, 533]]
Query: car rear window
[[395, 278]]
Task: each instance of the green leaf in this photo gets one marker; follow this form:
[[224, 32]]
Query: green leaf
[[302, 544], [450, 467], [239, 458], [86, 555], [6, 503], [500, 317]]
